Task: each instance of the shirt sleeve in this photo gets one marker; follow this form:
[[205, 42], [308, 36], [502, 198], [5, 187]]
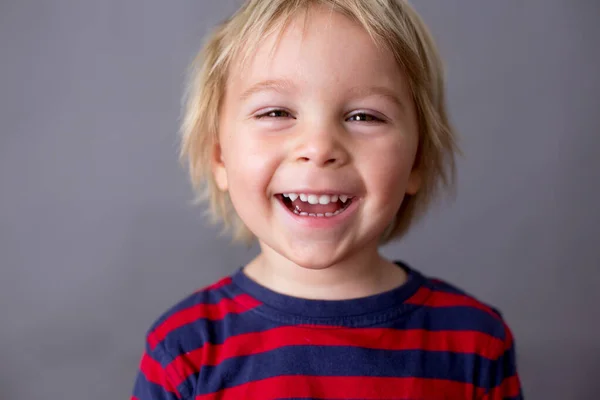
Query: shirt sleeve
[[506, 384], [153, 381]]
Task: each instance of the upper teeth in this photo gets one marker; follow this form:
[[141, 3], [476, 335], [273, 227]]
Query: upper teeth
[[316, 199]]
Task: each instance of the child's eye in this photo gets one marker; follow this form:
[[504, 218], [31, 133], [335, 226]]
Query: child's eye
[[364, 117], [274, 114]]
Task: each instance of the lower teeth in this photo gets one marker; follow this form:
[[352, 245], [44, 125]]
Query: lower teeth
[[328, 214]]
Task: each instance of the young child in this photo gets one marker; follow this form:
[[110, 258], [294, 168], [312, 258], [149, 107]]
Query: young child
[[318, 127]]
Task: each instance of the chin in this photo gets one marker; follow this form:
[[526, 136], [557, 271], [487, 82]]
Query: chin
[[313, 265], [314, 258]]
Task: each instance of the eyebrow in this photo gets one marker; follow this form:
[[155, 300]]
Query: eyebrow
[[286, 85], [277, 85], [382, 91]]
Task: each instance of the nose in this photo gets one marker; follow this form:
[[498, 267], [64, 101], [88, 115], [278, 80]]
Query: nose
[[323, 147]]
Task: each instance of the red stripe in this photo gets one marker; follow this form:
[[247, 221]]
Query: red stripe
[[371, 338], [346, 387], [218, 311], [223, 282], [133, 398], [420, 297], [155, 373], [434, 298], [510, 387]]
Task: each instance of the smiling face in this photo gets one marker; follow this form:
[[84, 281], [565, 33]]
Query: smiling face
[[318, 137]]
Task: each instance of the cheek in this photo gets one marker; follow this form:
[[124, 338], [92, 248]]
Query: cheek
[[250, 167], [389, 167]]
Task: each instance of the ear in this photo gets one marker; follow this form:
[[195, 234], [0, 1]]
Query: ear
[[218, 168], [414, 182]]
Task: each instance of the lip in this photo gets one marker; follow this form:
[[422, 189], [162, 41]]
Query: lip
[[319, 222]]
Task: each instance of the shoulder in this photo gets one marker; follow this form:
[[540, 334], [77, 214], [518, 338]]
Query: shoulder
[[450, 308], [185, 321], [176, 338], [469, 326]]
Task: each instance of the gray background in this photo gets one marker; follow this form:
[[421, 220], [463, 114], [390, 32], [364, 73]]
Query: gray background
[[97, 235]]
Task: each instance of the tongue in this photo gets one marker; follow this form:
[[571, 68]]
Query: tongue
[[302, 206]]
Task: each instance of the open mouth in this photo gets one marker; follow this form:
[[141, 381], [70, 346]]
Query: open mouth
[[315, 205]]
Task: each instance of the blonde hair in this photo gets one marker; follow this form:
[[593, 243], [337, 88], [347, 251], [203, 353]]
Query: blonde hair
[[391, 23]]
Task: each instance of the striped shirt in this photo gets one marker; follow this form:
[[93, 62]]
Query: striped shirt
[[239, 340]]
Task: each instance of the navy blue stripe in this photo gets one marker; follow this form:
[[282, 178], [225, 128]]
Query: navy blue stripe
[[193, 336], [460, 318], [344, 361], [508, 365], [146, 390], [503, 368]]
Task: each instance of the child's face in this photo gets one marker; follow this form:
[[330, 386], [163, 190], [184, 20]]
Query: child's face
[[322, 112]]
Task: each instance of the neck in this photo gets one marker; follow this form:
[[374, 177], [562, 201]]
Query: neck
[[359, 275]]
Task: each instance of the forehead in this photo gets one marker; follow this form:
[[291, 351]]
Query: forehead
[[316, 44]]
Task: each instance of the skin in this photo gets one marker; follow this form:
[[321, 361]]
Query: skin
[[322, 110]]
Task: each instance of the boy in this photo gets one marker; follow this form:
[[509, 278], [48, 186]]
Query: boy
[[319, 128]]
